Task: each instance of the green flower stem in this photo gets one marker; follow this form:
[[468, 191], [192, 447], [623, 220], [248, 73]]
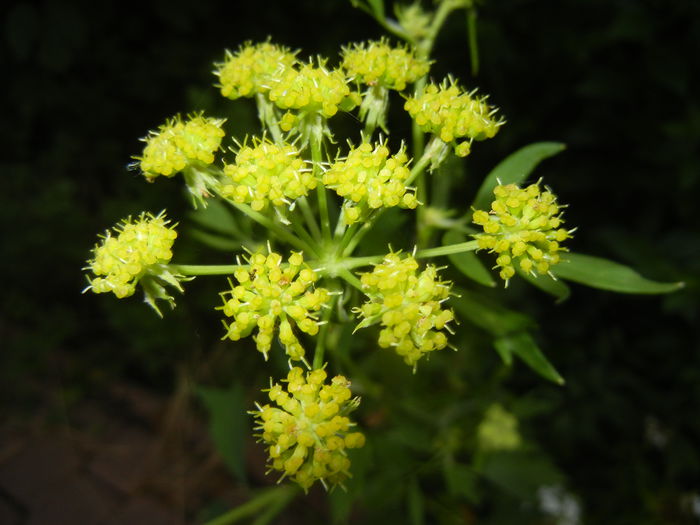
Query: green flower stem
[[349, 278], [323, 334], [266, 114], [473, 43], [450, 249], [309, 217], [207, 269], [316, 143], [274, 497], [298, 227], [275, 228], [347, 237]]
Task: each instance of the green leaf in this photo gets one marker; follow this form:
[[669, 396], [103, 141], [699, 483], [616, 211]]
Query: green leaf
[[467, 262], [608, 275], [216, 217], [521, 473], [416, 503], [488, 314], [377, 8], [524, 346], [514, 169], [462, 480], [228, 424], [554, 287], [217, 242]]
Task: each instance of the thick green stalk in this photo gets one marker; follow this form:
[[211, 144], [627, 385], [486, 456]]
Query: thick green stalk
[[267, 498]]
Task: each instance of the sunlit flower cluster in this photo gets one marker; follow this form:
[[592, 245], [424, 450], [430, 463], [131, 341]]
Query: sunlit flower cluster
[[310, 89], [378, 63], [129, 251], [453, 115], [179, 143], [524, 228], [267, 173], [408, 304], [307, 430], [270, 292], [369, 179], [249, 70]]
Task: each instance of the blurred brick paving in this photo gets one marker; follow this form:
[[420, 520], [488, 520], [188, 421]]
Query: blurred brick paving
[[129, 460]]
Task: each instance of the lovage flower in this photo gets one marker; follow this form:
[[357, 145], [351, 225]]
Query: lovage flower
[[369, 178], [307, 430], [135, 252], [249, 70], [178, 144], [454, 116], [267, 173], [270, 292], [524, 228], [378, 63], [409, 306]]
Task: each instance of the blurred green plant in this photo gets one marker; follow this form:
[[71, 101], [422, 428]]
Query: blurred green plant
[[306, 216]]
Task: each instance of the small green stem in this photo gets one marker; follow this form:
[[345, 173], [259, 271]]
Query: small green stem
[[304, 235], [450, 249], [272, 497], [323, 333], [316, 143], [266, 114], [349, 278], [206, 269], [473, 43], [309, 217]]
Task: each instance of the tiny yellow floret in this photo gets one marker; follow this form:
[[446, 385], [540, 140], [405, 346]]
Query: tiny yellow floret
[[523, 228], [249, 71], [454, 116], [267, 173], [369, 178], [408, 304], [270, 294], [306, 428], [178, 144]]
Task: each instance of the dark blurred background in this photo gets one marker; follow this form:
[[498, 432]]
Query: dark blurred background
[[616, 80]]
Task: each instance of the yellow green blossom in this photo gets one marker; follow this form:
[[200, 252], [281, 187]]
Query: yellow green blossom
[[369, 178], [178, 144], [453, 115], [135, 251], [408, 304], [524, 228], [269, 294], [378, 63], [311, 89], [249, 70], [267, 173], [306, 428], [498, 430]]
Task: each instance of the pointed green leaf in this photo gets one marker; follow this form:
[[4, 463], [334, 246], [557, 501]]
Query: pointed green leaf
[[377, 8], [554, 287], [488, 314], [228, 424], [608, 275], [216, 217], [514, 169], [467, 262], [524, 346]]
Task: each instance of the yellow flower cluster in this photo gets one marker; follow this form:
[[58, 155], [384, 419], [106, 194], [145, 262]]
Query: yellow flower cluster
[[308, 430], [310, 90], [498, 430], [453, 115], [124, 258], [269, 290], [249, 70], [523, 228], [377, 63], [267, 173], [408, 305], [369, 178], [178, 144]]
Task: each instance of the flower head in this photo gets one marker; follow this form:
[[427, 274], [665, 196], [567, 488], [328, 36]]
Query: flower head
[[307, 429], [310, 89], [498, 430], [178, 144], [378, 63], [409, 306], [267, 173], [369, 178], [249, 70], [270, 292], [133, 252], [523, 228], [452, 115]]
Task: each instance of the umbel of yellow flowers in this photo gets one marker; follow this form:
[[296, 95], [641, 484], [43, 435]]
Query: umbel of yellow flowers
[[524, 228], [306, 428]]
